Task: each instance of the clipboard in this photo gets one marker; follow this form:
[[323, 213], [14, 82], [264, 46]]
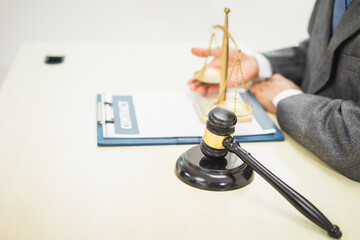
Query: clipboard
[[261, 116]]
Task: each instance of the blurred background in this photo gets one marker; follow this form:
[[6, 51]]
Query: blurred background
[[260, 25]]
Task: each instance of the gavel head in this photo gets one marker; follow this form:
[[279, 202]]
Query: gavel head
[[219, 126]]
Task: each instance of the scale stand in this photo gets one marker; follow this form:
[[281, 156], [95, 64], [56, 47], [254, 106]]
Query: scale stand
[[204, 105]]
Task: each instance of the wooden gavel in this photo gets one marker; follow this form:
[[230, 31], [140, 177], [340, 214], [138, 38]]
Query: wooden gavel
[[218, 140]]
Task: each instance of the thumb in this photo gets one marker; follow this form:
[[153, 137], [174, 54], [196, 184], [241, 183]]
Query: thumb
[[202, 52]]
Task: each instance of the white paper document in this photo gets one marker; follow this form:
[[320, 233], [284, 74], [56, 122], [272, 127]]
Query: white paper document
[[151, 115]]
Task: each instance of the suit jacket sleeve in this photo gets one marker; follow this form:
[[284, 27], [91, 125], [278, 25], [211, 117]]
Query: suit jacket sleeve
[[289, 62], [330, 128]]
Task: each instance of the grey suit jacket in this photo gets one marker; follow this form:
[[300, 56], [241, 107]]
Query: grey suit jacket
[[326, 119]]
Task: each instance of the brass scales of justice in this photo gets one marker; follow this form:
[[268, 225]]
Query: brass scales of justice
[[219, 163], [243, 111]]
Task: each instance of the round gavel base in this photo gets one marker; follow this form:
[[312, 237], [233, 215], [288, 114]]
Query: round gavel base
[[221, 174]]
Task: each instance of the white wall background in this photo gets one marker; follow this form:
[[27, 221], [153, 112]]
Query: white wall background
[[259, 24]]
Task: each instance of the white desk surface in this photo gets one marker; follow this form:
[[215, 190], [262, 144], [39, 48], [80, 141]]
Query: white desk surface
[[55, 183]]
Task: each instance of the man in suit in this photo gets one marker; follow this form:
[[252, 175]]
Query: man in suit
[[315, 89]]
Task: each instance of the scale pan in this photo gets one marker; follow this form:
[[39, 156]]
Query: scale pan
[[210, 75]]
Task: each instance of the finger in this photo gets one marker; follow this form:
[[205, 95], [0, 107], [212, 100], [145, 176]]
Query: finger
[[202, 52], [254, 91], [213, 88], [255, 87], [216, 52], [191, 81], [257, 90], [275, 77], [202, 89], [194, 86]]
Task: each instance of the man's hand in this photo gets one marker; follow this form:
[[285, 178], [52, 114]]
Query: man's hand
[[266, 91], [248, 63]]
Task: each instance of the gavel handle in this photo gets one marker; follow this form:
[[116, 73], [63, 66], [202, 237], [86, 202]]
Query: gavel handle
[[298, 201]]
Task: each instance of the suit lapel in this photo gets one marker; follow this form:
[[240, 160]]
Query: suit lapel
[[349, 24], [319, 30]]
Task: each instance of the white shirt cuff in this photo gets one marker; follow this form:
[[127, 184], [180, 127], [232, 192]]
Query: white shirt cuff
[[265, 70], [285, 94]]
